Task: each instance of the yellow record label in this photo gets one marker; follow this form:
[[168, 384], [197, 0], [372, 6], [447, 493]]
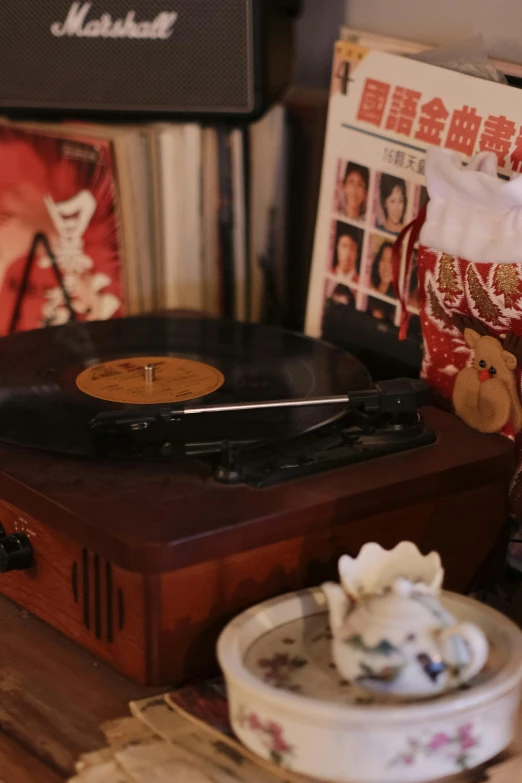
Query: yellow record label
[[167, 379]]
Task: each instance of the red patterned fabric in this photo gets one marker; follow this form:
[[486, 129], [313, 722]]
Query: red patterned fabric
[[451, 286], [453, 291], [469, 271]]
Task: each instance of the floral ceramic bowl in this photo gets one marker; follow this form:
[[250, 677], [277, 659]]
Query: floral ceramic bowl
[[289, 704]]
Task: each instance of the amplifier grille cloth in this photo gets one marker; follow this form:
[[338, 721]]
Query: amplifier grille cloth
[[205, 64]]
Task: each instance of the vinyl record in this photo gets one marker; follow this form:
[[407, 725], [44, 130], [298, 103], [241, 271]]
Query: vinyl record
[[54, 381]]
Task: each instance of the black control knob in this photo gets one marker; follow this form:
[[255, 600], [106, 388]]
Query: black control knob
[[16, 553]]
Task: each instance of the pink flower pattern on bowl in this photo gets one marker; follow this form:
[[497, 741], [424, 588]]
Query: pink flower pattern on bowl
[[455, 746], [274, 741]]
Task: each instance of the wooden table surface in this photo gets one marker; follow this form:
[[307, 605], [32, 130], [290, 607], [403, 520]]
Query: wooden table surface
[[53, 698]]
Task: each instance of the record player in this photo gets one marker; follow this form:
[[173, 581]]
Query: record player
[[160, 474]]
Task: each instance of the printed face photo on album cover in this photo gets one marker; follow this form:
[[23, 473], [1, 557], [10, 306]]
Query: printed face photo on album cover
[[390, 203], [378, 269], [345, 252], [352, 184], [339, 294], [381, 310], [337, 299]]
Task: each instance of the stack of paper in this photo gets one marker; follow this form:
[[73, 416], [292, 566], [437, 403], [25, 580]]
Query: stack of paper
[[185, 736]]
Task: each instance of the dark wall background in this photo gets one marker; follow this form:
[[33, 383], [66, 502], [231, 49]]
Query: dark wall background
[[317, 29]]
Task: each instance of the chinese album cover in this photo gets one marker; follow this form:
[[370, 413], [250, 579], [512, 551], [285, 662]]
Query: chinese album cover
[[64, 187], [384, 112]]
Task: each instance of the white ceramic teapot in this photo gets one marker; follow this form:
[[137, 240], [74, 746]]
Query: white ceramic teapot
[[391, 632]]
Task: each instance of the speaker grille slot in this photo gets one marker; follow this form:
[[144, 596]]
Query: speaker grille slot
[[108, 587], [86, 589], [121, 610], [74, 580], [98, 595]]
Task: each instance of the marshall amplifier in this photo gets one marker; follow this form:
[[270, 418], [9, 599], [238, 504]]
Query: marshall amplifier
[[145, 58]]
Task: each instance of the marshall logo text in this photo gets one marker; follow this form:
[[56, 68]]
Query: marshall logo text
[[76, 24]]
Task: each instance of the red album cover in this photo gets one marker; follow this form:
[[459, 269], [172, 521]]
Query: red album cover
[[64, 187]]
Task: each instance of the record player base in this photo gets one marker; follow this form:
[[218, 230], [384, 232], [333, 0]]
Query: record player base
[[159, 625]]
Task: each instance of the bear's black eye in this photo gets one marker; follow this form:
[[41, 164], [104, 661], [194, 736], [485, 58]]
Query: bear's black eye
[[482, 363], [492, 371]]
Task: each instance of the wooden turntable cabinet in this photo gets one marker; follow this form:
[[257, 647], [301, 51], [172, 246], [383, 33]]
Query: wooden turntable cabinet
[[143, 563]]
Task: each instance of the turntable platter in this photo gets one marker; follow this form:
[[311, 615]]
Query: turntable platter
[[45, 403]]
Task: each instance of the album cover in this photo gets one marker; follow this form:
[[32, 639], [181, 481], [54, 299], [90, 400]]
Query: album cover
[[385, 111], [62, 186]]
